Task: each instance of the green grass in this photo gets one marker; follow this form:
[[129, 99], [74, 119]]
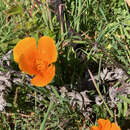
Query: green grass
[[91, 35]]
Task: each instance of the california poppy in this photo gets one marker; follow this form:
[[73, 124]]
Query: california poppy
[[128, 2], [105, 125], [37, 60]]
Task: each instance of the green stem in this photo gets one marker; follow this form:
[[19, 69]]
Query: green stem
[[42, 127]]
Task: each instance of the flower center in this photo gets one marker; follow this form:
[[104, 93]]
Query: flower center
[[41, 65]]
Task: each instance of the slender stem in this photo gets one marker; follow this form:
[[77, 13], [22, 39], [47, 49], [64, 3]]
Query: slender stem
[[94, 82], [42, 127]]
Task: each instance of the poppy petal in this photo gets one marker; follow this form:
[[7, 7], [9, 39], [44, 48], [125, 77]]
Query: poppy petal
[[27, 62], [47, 48], [23, 46], [105, 125], [94, 128], [115, 127], [102, 123], [42, 80]]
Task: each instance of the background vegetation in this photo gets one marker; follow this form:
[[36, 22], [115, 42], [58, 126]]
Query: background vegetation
[[91, 36]]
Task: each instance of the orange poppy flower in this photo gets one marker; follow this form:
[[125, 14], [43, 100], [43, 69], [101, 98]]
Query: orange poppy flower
[[38, 59], [105, 125]]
